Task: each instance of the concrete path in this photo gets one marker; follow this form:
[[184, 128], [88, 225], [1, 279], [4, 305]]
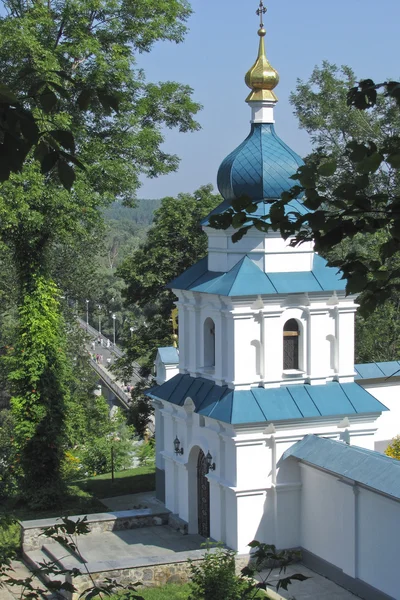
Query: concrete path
[[316, 587]]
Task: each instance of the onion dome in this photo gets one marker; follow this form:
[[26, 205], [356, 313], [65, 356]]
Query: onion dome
[[262, 166], [262, 77]]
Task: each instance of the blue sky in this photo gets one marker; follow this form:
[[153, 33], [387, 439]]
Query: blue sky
[[221, 46]]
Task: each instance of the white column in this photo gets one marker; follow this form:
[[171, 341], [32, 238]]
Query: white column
[[318, 367], [219, 348], [273, 347], [345, 341], [194, 360]]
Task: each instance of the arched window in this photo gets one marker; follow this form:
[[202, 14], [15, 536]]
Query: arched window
[[209, 343], [291, 345]]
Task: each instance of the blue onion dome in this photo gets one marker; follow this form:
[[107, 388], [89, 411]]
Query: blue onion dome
[[260, 168]]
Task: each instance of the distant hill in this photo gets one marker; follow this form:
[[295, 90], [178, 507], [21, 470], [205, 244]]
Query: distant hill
[[142, 214]]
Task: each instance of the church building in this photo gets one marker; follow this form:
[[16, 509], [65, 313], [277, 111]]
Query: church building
[[264, 428]]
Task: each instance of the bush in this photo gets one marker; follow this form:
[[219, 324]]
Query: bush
[[146, 452], [393, 450], [8, 463], [215, 577]]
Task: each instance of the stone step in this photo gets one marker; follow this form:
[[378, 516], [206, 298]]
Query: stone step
[[34, 558], [20, 571], [63, 556]]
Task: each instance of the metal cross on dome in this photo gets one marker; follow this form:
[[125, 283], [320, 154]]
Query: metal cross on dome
[[260, 12]]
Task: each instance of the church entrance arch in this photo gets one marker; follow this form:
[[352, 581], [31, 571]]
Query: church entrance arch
[[203, 496], [199, 493]]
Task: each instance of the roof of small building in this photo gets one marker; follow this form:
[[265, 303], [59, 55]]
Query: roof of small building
[[259, 405], [168, 355], [260, 168], [247, 279], [366, 467], [380, 370]]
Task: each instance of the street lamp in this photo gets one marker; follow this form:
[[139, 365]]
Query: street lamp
[[87, 314], [113, 318], [114, 438], [131, 329], [99, 307]]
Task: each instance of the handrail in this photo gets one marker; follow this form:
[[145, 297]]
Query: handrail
[[114, 387]]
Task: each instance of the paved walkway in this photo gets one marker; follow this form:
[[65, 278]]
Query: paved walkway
[[316, 587]]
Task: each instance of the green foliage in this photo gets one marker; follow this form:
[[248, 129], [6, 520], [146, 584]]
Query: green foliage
[[393, 450], [171, 591], [37, 378], [8, 479], [105, 436], [174, 242], [10, 537], [140, 409], [215, 577], [146, 452]]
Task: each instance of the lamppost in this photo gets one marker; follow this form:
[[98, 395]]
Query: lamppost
[[99, 307], [115, 438], [113, 318], [131, 329], [87, 314]]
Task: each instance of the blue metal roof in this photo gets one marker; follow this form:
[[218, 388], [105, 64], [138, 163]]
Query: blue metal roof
[[380, 370], [247, 279], [259, 405], [169, 355], [366, 467], [260, 167]]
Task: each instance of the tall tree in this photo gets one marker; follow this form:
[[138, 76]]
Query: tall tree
[[74, 63], [321, 106], [174, 242]]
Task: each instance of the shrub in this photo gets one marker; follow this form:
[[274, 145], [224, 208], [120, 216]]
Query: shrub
[[215, 577], [393, 450], [146, 452], [8, 462]]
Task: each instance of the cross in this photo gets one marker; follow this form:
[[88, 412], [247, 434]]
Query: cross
[[260, 12]]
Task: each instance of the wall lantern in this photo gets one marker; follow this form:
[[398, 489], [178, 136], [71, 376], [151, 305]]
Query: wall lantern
[[177, 444], [210, 463]]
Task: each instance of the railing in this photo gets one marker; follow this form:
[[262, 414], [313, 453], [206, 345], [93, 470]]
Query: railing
[[110, 383]]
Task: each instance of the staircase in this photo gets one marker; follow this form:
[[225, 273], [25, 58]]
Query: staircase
[[126, 546]]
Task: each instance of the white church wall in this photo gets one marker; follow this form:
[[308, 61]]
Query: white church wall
[[378, 541], [248, 338], [325, 506], [388, 424], [269, 252], [352, 528]]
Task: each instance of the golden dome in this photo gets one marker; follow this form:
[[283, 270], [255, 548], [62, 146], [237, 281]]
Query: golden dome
[[262, 77]]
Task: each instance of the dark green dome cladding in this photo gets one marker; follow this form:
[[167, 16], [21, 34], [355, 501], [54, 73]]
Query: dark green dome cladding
[[260, 167]]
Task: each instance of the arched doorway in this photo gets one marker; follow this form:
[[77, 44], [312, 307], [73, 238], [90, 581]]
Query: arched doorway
[[203, 496]]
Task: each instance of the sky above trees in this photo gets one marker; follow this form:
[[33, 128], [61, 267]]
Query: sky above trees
[[221, 46]]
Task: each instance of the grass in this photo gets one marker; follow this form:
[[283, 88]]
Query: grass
[[171, 591], [84, 498]]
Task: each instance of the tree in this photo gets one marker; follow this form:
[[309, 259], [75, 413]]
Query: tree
[[174, 243], [74, 65], [321, 106]]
